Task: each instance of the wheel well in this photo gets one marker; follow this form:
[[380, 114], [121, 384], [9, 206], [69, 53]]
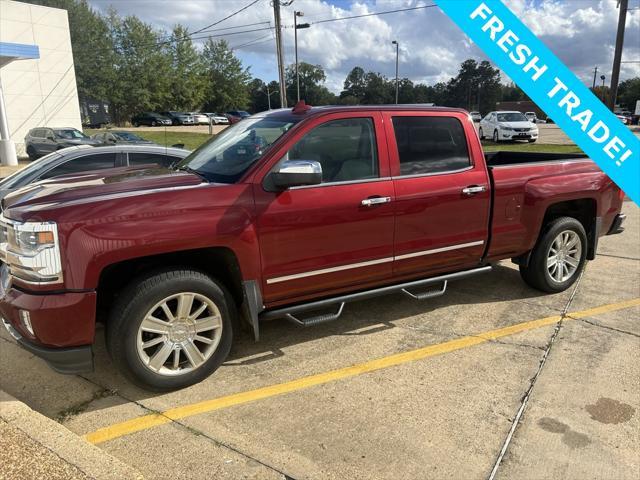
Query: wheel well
[[219, 262], [583, 210]]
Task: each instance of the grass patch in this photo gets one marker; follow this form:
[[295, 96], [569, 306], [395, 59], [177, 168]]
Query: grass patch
[[529, 147], [191, 140]]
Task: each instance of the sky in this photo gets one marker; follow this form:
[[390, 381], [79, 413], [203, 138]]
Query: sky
[[581, 32]]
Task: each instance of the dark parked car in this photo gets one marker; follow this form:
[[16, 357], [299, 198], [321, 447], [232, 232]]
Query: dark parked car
[[41, 141], [179, 118], [85, 158], [151, 119], [120, 138]]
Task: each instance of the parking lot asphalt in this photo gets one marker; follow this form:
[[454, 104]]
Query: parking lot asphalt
[[395, 389]]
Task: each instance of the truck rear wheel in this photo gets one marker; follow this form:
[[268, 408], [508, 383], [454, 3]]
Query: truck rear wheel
[[558, 257], [171, 329]]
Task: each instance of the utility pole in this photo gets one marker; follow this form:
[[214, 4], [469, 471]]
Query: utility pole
[[623, 5], [595, 72], [397, 84], [604, 95], [279, 50]]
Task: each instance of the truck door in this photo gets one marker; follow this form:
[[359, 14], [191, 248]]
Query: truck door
[[328, 237], [442, 192]]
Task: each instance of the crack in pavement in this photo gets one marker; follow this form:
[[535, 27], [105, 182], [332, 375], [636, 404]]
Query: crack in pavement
[[606, 327], [543, 361], [617, 256], [192, 430]]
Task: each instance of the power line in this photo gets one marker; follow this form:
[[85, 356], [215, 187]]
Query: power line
[[373, 14], [225, 18], [253, 42], [233, 33]]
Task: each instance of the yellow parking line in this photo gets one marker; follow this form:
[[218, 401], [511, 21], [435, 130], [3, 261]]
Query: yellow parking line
[[152, 420]]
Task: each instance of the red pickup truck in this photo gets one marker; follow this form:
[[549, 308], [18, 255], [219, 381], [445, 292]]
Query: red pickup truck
[[287, 214]]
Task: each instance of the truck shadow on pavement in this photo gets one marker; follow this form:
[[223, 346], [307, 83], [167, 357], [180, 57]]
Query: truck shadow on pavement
[[364, 318]]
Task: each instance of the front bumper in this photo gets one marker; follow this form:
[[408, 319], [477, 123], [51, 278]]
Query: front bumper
[[71, 360], [512, 135], [58, 327], [616, 226]]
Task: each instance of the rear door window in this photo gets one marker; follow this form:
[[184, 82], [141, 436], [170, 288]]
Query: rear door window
[[82, 164], [429, 145]]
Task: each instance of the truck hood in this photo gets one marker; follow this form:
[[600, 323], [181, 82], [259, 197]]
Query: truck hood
[[91, 185]]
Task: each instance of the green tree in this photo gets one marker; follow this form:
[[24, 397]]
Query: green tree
[[312, 89], [259, 100], [227, 80], [355, 84], [93, 54], [629, 93], [143, 60], [188, 82], [378, 90]]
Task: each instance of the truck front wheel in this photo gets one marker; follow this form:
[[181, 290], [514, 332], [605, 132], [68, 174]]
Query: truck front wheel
[[558, 257], [171, 329]]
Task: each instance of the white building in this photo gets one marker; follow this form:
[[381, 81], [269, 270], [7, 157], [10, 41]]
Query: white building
[[37, 76]]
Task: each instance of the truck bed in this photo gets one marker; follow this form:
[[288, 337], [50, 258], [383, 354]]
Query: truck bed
[[503, 158], [525, 184]]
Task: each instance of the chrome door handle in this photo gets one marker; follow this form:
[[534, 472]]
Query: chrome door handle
[[473, 189], [368, 202]]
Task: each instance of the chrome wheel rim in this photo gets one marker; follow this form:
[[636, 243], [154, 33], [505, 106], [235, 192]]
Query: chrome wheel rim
[[179, 334], [563, 258]]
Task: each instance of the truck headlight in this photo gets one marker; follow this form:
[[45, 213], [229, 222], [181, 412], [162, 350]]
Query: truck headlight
[[31, 250]]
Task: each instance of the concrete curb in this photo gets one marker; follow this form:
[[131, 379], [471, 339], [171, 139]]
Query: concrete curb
[[66, 445]]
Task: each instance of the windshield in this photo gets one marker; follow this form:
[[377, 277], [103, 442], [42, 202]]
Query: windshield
[[225, 158], [512, 117], [69, 134], [129, 137]]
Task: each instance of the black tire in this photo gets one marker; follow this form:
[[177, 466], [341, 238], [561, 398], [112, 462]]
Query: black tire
[[31, 152], [153, 123], [136, 124], [137, 299], [496, 138], [481, 133], [536, 274]]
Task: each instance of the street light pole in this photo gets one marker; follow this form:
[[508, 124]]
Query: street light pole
[[604, 97], [268, 97], [623, 5], [397, 84], [296, 27]]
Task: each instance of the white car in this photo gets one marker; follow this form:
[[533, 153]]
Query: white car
[[475, 116], [531, 116], [218, 119], [503, 126], [199, 118]]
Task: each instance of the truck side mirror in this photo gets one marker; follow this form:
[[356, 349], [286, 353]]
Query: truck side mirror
[[296, 173]]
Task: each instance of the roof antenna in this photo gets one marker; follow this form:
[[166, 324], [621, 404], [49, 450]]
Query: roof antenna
[[301, 107]]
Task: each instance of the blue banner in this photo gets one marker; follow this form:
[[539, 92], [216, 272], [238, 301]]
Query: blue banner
[[550, 84]]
